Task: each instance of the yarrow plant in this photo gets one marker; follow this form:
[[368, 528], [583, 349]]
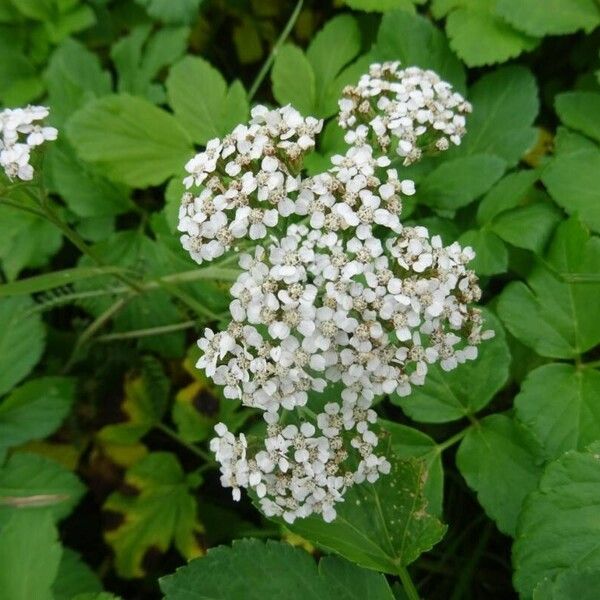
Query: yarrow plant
[[19, 135], [340, 291]]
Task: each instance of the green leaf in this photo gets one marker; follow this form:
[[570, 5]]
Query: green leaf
[[552, 17], [21, 341], [480, 37], [29, 556], [74, 77], [381, 5], [172, 12], [133, 141], [140, 56], [530, 227], [32, 483], [27, 240], [559, 403], [19, 81], [573, 584], [507, 193], [157, 510], [559, 527], [505, 104], [74, 578], [203, 104], [501, 461], [85, 191], [491, 255], [457, 182], [35, 409], [580, 111], [414, 40], [334, 47], [555, 318], [573, 177], [449, 396], [380, 526], [254, 570], [294, 80], [407, 442]]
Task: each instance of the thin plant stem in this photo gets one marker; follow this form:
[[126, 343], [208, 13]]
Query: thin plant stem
[[280, 41], [23, 207], [151, 331], [203, 454], [453, 439], [407, 584]]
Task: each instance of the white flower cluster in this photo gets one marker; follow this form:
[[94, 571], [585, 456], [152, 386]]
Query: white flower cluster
[[19, 134], [243, 184], [344, 293], [411, 107]]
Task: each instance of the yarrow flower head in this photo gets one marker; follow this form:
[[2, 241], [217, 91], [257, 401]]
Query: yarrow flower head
[[19, 135], [341, 292], [410, 110]]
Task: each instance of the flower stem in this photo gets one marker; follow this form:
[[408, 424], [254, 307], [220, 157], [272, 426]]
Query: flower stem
[[203, 454], [407, 584], [280, 41]]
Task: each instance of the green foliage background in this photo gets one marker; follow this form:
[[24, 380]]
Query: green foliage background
[[106, 483]]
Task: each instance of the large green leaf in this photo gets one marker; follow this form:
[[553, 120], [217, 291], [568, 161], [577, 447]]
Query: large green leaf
[[581, 111], [253, 570], [29, 556], [155, 509], [559, 403], [415, 41], [481, 37], [501, 461], [550, 17], [573, 584], [133, 141], [457, 182], [383, 525], [30, 482], [381, 5], [174, 12], [559, 526], [21, 341], [505, 104], [35, 409], [491, 255], [294, 80], [202, 102], [573, 177], [74, 578], [448, 396], [556, 318]]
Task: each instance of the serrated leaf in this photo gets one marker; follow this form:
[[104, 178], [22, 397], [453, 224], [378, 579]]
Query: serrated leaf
[[22, 338], [294, 80], [559, 403], [552, 17], [558, 527], [505, 104], [157, 510], [201, 100], [414, 40], [74, 578], [491, 255], [253, 570], [383, 525], [573, 177], [580, 111], [458, 181], [407, 442], [501, 461], [448, 396], [29, 545], [35, 409], [132, 140], [480, 37], [556, 318], [31, 483]]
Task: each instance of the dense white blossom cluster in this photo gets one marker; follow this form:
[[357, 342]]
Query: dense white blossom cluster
[[340, 292], [19, 134], [242, 185], [411, 109]]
